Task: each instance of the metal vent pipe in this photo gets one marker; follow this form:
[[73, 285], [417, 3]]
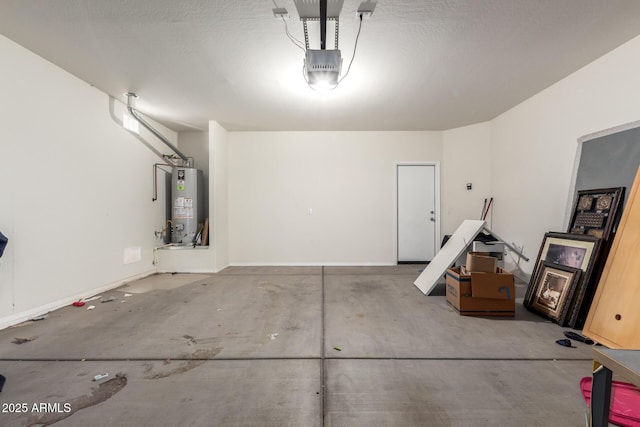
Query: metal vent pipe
[[323, 24], [131, 106]]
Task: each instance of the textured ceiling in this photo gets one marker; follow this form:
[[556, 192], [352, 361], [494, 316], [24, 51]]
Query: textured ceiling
[[420, 64]]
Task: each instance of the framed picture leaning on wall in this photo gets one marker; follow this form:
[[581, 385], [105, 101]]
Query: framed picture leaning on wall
[[597, 212], [553, 290], [568, 250]]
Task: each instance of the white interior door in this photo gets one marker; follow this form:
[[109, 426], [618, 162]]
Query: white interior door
[[416, 212]]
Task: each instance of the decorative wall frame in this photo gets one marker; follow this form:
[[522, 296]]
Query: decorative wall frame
[[597, 212], [569, 250], [553, 290]]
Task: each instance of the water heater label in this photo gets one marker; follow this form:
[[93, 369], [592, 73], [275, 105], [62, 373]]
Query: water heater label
[[183, 208], [180, 185]]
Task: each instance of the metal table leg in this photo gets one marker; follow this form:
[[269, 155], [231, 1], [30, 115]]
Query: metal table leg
[[600, 397]]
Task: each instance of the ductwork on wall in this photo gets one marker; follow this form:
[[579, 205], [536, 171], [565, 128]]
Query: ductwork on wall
[[187, 198], [131, 107]]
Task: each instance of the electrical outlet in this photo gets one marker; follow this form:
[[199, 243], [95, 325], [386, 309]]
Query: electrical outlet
[[365, 9], [132, 255], [280, 13]]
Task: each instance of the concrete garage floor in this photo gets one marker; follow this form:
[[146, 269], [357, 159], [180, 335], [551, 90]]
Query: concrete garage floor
[[202, 350]]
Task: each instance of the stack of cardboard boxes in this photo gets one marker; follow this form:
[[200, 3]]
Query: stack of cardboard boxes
[[481, 288]]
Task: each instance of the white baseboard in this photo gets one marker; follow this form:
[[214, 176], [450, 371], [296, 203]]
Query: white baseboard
[[23, 316], [311, 264], [219, 269], [188, 270]]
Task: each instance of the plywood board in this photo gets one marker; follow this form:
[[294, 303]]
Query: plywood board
[[205, 233], [448, 254], [614, 318]]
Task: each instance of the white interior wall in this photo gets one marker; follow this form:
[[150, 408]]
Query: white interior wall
[[317, 197], [196, 145], [533, 145], [467, 159], [219, 202], [77, 188]]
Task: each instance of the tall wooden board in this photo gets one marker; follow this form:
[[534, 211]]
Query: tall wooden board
[[614, 317]]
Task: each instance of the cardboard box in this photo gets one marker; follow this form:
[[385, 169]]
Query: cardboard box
[[481, 294], [477, 262]]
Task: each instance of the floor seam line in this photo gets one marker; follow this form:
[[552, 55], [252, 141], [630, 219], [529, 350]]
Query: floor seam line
[[323, 375], [266, 274], [248, 359]]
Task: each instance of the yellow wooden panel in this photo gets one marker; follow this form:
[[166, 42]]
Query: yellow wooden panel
[[614, 317]]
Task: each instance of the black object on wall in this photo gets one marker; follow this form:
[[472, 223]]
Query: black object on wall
[[3, 243]]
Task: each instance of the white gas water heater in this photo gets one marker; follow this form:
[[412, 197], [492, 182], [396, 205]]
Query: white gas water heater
[[187, 205], [187, 195]]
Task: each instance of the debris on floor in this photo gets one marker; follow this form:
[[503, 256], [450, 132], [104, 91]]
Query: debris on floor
[[2, 380], [220, 309], [166, 362], [564, 343], [91, 307], [108, 299], [273, 336], [92, 298], [78, 304], [198, 358], [128, 295], [337, 348], [44, 316], [100, 377], [25, 323], [104, 391], [190, 340], [578, 337], [23, 340]]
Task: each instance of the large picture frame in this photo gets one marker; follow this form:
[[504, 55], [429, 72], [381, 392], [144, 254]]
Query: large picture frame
[[569, 250], [597, 212], [553, 290]]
